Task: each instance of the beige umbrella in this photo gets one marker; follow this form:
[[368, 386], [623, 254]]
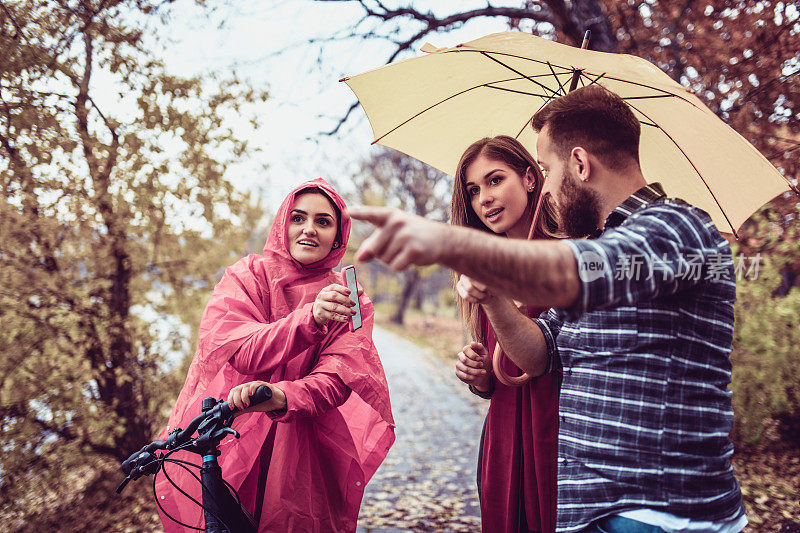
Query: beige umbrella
[[432, 107]]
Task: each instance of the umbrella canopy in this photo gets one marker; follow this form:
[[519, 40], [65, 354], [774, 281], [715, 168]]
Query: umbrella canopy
[[432, 107]]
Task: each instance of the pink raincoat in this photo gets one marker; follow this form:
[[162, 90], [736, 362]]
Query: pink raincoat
[[338, 425]]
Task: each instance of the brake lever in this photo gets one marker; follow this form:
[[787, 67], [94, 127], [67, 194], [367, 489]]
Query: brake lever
[[214, 436], [231, 431], [124, 483], [145, 464]]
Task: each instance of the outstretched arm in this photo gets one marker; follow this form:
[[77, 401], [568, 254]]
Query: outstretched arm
[[541, 273]]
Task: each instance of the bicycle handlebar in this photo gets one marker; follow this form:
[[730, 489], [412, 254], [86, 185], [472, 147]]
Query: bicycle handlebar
[[218, 415], [261, 395]]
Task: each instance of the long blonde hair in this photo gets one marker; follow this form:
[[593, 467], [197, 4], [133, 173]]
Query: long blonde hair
[[511, 152]]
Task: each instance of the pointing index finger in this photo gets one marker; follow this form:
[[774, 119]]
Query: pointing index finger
[[374, 215]]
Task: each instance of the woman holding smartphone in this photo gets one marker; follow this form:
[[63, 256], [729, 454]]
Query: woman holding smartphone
[[282, 319]]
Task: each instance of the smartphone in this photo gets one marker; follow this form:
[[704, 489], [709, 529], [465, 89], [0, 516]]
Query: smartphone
[[349, 274]]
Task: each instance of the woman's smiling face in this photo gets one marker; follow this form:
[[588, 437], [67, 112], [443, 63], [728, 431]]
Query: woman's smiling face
[[499, 196], [312, 229]]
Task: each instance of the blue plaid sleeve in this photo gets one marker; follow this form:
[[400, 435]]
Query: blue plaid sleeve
[[660, 250], [550, 323]]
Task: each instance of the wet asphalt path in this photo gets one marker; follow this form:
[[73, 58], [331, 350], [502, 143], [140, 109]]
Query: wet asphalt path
[[427, 482]]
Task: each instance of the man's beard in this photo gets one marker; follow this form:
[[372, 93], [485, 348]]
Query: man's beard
[[579, 209]]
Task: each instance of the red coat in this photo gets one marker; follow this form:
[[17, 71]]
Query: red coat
[[338, 426], [519, 451]]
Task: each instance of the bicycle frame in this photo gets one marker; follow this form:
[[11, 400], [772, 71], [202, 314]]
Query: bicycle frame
[[218, 502]]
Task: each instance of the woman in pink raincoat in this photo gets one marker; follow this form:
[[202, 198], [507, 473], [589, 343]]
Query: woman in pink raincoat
[[283, 318]]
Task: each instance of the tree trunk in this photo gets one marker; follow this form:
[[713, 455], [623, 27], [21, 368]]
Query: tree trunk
[[418, 297], [410, 282], [788, 280]]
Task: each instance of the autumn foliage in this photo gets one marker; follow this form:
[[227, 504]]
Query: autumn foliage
[[116, 217]]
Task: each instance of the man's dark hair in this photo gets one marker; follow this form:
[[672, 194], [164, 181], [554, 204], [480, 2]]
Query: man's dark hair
[[594, 118]]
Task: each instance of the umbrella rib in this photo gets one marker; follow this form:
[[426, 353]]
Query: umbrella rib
[[668, 95], [523, 126], [529, 120], [569, 70], [409, 119], [377, 139], [695, 169], [665, 94], [561, 90], [595, 80], [512, 69], [517, 91]]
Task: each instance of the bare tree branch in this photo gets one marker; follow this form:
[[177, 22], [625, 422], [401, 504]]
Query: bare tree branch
[[570, 18], [430, 24], [342, 120]]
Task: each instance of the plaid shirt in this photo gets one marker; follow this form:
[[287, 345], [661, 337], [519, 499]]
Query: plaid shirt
[[645, 409]]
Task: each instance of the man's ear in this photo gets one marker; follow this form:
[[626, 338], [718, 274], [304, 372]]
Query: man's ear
[[579, 160]]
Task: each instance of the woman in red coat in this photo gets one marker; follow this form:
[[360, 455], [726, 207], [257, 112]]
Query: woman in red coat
[[283, 318], [497, 189]]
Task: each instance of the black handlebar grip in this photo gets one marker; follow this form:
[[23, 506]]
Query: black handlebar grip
[[261, 395]]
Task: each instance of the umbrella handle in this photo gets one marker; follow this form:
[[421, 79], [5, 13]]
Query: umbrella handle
[[497, 357], [501, 375], [537, 212]]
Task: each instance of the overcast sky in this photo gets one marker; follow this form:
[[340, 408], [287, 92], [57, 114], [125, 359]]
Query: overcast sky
[[306, 96]]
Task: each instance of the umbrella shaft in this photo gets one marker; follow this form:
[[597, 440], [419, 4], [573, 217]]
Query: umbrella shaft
[[576, 75]]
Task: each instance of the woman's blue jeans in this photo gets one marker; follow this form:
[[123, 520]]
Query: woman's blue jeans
[[619, 524]]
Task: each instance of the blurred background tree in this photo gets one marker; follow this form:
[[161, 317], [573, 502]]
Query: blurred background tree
[[766, 357], [766, 352], [116, 218], [388, 177]]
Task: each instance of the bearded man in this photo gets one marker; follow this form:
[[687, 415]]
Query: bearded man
[[641, 324]]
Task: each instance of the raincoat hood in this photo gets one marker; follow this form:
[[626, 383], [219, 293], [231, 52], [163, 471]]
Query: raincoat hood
[[318, 455], [278, 239]]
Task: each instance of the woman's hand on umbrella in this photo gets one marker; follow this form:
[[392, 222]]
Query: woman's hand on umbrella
[[239, 397], [471, 290], [473, 366], [334, 303]]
